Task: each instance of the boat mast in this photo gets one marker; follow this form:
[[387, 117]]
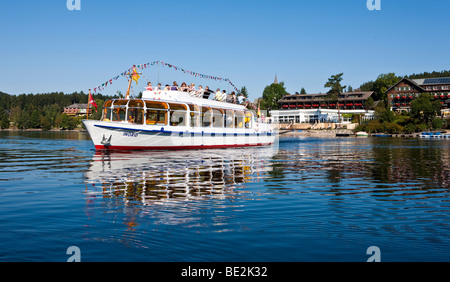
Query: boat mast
[[131, 74], [127, 96]]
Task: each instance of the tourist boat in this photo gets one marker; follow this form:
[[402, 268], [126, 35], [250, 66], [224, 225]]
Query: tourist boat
[[174, 120]]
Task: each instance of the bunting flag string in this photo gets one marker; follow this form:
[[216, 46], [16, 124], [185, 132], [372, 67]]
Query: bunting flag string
[[164, 64]]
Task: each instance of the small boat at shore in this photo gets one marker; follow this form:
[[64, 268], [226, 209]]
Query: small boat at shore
[[434, 135], [362, 134], [176, 120]]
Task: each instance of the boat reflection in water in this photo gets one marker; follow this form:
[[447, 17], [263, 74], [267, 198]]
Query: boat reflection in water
[[158, 177]]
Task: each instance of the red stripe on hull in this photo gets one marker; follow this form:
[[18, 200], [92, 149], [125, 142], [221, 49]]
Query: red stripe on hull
[[165, 148]]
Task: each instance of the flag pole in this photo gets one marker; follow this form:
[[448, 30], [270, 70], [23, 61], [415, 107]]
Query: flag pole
[[129, 87], [89, 100]]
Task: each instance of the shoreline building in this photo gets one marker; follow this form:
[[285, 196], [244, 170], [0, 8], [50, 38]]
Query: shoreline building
[[401, 94], [317, 108], [77, 110]]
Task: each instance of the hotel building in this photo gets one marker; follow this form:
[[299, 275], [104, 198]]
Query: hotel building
[[315, 108], [406, 90]]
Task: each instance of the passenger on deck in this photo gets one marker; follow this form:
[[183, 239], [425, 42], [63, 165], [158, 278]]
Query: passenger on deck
[[207, 93], [218, 96], [192, 91], [149, 87], [158, 88], [174, 87], [167, 87], [240, 99], [224, 96], [232, 98], [200, 92], [184, 87]]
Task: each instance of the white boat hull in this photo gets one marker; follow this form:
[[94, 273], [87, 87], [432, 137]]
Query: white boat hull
[[125, 136]]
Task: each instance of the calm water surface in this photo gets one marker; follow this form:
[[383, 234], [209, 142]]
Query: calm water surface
[[307, 200]]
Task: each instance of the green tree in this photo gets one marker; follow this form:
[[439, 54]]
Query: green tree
[[46, 122], [383, 83], [424, 109], [334, 83], [24, 120], [68, 122], [244, 92], [368, 86], [303, 91], [4, 119], [271, 94], [368, 105], [384, 115], [35, 119]]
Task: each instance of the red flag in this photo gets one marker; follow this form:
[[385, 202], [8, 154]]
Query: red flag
[[92, 102]]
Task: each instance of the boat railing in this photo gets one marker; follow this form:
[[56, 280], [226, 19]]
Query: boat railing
[[176, 94]]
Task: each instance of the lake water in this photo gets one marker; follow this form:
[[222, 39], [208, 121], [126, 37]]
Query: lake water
[[306, 200]]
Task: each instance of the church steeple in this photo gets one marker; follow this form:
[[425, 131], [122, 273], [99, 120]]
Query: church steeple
[[276, 80]]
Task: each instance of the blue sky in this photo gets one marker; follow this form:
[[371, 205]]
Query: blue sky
[[45, 47]]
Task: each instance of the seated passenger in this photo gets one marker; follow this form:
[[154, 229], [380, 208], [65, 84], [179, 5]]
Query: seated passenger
[[149, 87], [166, 88], [158, 88], [174, 87]]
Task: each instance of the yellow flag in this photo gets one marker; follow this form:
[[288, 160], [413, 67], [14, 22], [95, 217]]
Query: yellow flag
[[135, 75]]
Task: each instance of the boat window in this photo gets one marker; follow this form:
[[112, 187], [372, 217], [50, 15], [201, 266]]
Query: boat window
[[108, 104], [156, 105], [238, 119], [217, 118], [248, 120], [120, 102], [206, 117], [135, 115], [136, 104], [135, 110], [229, 118], [195, 116], [107, 111], [156, 113], [119, 113], [156, 117], [177, 114]]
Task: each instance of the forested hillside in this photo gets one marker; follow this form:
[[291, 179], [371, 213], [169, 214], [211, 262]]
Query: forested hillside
[[44, 111]]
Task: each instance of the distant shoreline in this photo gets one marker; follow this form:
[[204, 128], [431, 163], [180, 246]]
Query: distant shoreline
[[40, 130], [332, 134]]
